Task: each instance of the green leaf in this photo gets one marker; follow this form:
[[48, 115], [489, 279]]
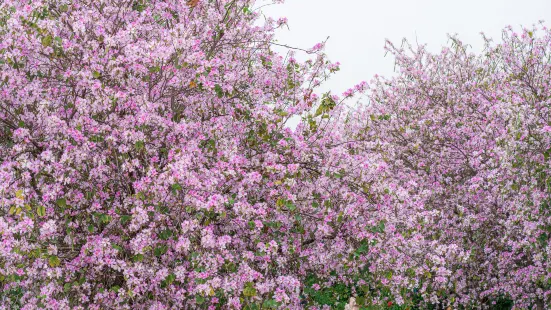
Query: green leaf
[[137, 258], [96, 74], [47, 40], [319, 111], [171, 277], [160, 250], [165, 234], [280, 112], [162, 209], [96, 138], [290, 206], [542, 239], [175, 188], [117, 247], [104, 218], [138, 6], [362, 249], [249, 290], [199, 299], [139, 145], [340, 217], [64, 8], [380, 228], [140, 195], [270, 303], [168, 280], [41, 211], [62, 203], [67, 287], [219, 91], [54, 261], [125, 219]]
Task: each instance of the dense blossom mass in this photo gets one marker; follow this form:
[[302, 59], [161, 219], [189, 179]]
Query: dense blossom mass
[[146, 162], [462, 143]]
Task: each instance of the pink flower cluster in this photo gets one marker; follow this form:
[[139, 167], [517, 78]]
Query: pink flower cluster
[[463, 189], [145, 163]]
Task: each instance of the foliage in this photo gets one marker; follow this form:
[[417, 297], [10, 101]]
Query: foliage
[[145, 157], [460, 146], [146, 162]]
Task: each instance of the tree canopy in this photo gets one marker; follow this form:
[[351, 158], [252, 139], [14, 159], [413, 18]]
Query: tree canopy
[[146, 162]]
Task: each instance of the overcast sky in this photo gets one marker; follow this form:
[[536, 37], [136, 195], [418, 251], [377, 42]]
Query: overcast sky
[[358, 28]]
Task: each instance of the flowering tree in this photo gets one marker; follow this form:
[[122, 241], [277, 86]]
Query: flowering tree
[[145, 157], [462, 144], [146, 163]]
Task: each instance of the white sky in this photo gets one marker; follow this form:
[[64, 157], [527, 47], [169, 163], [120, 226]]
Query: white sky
[[358, 28]]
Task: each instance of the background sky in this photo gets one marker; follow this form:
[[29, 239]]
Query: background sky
[[358, 28]]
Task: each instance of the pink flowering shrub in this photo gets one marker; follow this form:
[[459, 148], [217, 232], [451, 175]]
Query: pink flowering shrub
[[145, 157], [456, 159], [146, 164]]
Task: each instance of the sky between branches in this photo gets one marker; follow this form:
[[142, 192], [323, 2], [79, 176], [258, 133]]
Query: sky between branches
[[358, 28]]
